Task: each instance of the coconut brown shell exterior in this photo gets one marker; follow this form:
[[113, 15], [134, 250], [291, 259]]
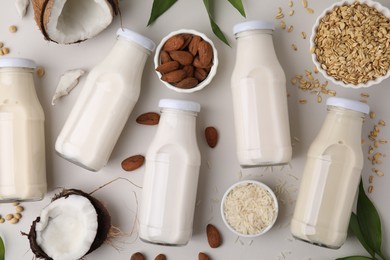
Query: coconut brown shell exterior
[[42, 11], [103, 218]]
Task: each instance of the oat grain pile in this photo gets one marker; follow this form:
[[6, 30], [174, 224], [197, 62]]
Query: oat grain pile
[[352, 43]]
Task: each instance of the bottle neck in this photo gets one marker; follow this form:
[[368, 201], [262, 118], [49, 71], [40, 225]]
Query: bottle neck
[[18, 84], [175, 123]]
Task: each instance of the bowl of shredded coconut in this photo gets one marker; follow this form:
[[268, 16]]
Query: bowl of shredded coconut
[[249, 208]]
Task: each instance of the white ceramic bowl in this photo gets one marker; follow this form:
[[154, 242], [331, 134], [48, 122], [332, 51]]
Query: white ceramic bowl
[[370, 3], [213, 69], [261, 185]]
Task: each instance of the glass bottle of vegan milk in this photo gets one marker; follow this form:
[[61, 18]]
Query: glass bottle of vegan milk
[[259, 98], [331, 176], [171, 176], [22, 139], [105, 103]]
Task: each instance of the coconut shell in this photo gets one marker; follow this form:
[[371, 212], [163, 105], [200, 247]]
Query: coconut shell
[[103, 218], [42, 12]]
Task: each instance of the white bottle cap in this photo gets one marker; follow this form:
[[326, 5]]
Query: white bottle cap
[[136, 37], [17, 63], [179, 104], [348, 104], [253, 25]]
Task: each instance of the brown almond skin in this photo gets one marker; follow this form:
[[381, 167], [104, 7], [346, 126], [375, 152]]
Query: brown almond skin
[[203, 256], [174, 43], [189, 69], [211, 135], [149, 118], [183, 57], [174, 76], [187, 39], [137, 256], [213, 236], [200, 74], [160, 257], [189, 82], [164, 57], [133, 162], [198, 64], [168, 66], [193, 46], [205, 52]]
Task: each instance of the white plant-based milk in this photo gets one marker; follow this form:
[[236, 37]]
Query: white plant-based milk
[[105, 103], [331, 176], [259, 98], [22, 140], [171, 176]]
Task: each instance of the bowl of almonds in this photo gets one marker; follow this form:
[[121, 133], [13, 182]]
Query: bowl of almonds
[[350, 43], [186, 60]]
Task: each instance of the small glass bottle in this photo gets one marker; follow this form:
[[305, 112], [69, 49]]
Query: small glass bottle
[[259, 95], [22, 138], [105, 103], [331, 176], [171, 176]]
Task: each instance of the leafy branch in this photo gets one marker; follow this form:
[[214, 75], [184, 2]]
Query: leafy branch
[[161, 6], [366, 226], [2, 249]]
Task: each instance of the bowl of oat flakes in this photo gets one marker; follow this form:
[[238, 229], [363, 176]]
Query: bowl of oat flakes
[[350, 43]]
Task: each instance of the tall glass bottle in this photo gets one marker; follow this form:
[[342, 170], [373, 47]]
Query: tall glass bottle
[[105, 103], [22, 138], [331, 176], [258, 86], [171, 176]]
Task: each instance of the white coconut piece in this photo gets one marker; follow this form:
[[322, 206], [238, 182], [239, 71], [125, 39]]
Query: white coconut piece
[[21, 7], [67, 83], [73, 21], [67, 228]]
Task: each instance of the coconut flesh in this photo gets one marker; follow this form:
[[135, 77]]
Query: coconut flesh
[[72, 225], [71, 21]]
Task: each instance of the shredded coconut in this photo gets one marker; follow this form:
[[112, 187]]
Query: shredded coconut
[[249, 209]]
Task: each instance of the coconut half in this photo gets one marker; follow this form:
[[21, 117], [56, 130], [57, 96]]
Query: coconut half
[[72, 21], [73, 225]]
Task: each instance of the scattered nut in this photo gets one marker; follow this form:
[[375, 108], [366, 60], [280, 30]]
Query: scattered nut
[[14, 221], [211, 135], [133, 162], [160, 257], [149, 118], [213, 236], [40, 72], [9, 217], [2, 220], [203, 256], [19, 209], [137, 256], [13, 28]]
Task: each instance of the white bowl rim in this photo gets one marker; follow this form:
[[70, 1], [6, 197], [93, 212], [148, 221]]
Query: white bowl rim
[[262, 185], [370, 3], [213, 69]]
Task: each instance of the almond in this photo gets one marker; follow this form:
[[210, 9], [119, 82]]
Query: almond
[[203, 256], [176, 42], [213, 236], [189, 82], [200, 74], [183, 57], [187, 39], [174, 76], [160, 257], [133, 162], [149, 118], [164, 57], [198, 64], [189, 69], [137, 256], [205, 52], [211, 135], [193, 46], [168, 66]]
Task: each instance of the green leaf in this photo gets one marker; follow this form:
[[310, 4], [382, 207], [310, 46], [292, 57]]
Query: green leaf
[[355, 228], [356, 258], [2, 249], [239, 6], [159, 7], [369, 221], [216, 30]]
